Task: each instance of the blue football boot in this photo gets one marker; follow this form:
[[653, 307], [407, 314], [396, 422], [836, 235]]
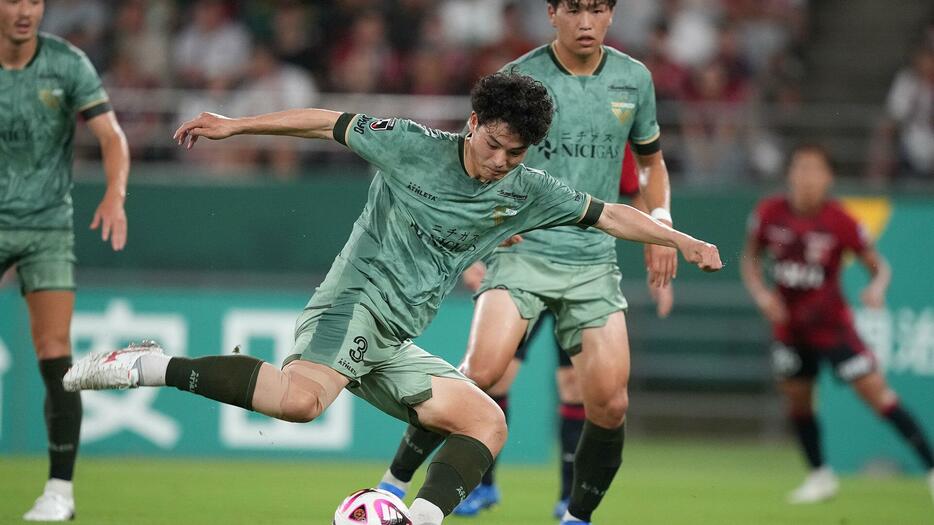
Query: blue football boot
[[482, 497]]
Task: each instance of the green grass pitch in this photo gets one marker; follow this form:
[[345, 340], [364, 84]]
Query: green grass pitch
[[660, 483]]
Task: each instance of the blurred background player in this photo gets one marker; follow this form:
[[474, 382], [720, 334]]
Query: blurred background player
[[392, 275], [806, 234], [571, 408], [44, 83], [603, 99]]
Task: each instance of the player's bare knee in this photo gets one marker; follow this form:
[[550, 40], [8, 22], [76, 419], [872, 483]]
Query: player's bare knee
[[484, 376], [51, 346], [491, 429], [610, 412], [300, 405]]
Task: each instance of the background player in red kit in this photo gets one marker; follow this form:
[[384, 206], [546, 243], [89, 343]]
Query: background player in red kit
[[806, 234]]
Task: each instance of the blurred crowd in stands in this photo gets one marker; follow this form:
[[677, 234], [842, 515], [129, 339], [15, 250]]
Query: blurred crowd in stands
[[716, 64]]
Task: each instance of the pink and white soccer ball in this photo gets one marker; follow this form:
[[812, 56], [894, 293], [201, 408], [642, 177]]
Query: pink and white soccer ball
[[372, 507]]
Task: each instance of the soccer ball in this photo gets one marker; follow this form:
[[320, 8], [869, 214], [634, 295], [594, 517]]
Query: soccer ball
[[372, 507]]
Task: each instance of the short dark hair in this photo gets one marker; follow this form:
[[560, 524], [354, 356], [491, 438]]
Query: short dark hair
[[518, 100], [812, 147], [572, 3]]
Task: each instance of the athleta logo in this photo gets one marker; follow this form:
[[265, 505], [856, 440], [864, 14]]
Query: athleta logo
[[416, 189], [193, 381], [356, 354]]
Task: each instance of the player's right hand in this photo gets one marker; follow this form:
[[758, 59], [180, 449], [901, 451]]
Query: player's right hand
[[772, 307], [209, 125], [664, 297], [702, 254]]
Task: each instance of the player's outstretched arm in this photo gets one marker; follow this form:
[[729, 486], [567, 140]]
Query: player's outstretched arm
[[110, 215], [750, 269], [306, 123], [661, 262], [873, 296], [625, 222]]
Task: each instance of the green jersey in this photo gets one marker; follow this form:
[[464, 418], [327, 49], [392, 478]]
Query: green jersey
[[426, 220], [594, 118], [38, 106]]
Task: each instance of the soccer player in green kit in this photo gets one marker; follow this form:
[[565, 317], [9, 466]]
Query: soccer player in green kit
[[439, 202], [603, 99], [44, 83]]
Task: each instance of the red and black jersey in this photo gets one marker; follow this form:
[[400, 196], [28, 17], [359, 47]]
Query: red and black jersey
[[629, 178], [806, 253]]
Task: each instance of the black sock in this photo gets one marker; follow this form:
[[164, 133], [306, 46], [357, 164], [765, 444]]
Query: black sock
[[455, 471], [416, 445], [599, 455], [572, 424], [62, 418], [230, 379], [489, 477], [808, 432], [908, 427]]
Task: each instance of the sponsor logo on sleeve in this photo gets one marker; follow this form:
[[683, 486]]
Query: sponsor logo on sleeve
[[383, 124]]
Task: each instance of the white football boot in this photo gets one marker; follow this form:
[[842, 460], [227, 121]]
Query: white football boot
[[109, 369], [57, 503], [820, 485]]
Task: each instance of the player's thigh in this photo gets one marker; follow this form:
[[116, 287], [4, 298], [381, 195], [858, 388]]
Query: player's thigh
[[45, 260], [501, 388], [875, 391], [496, 332], [602, 366], [459, 407], [50, 314], [569, 390], [590, 297]]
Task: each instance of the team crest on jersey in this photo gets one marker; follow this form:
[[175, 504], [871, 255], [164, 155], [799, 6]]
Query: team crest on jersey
[[622, 110], [383, 124], [501, 213], [52, 98]]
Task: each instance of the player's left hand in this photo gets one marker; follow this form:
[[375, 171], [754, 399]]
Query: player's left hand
[[661, 263], [873, 297], [210, 125], [703, 254], [664, 297], [111, 218]]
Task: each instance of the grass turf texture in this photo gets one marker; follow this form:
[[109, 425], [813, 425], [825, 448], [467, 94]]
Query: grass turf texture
[[661, 483]]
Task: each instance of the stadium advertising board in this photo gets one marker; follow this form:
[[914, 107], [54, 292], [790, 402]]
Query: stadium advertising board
[[165, 421]]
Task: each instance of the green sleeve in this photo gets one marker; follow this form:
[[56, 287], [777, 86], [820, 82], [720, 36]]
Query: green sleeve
[[556, 204], [645, 128], [380, 141], [87, 94]]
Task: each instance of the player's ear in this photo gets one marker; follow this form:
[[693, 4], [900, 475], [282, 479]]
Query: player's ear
[[472, 122], [551, 14]]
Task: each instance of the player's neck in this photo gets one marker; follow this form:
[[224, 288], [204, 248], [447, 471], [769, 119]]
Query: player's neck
[[577, 64], [17, 55], [469, 165], [804, 209]]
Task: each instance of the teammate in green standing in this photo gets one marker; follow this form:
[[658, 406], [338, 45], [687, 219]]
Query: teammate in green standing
[[439, 202], [44, 84], [603, 100]]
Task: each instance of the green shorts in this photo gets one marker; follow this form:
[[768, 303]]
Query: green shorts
[[581, 296], [391, 374], [44, 259]]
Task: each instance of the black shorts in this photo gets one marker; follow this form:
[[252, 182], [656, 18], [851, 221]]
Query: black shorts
[[850, 360], [563, 359]]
